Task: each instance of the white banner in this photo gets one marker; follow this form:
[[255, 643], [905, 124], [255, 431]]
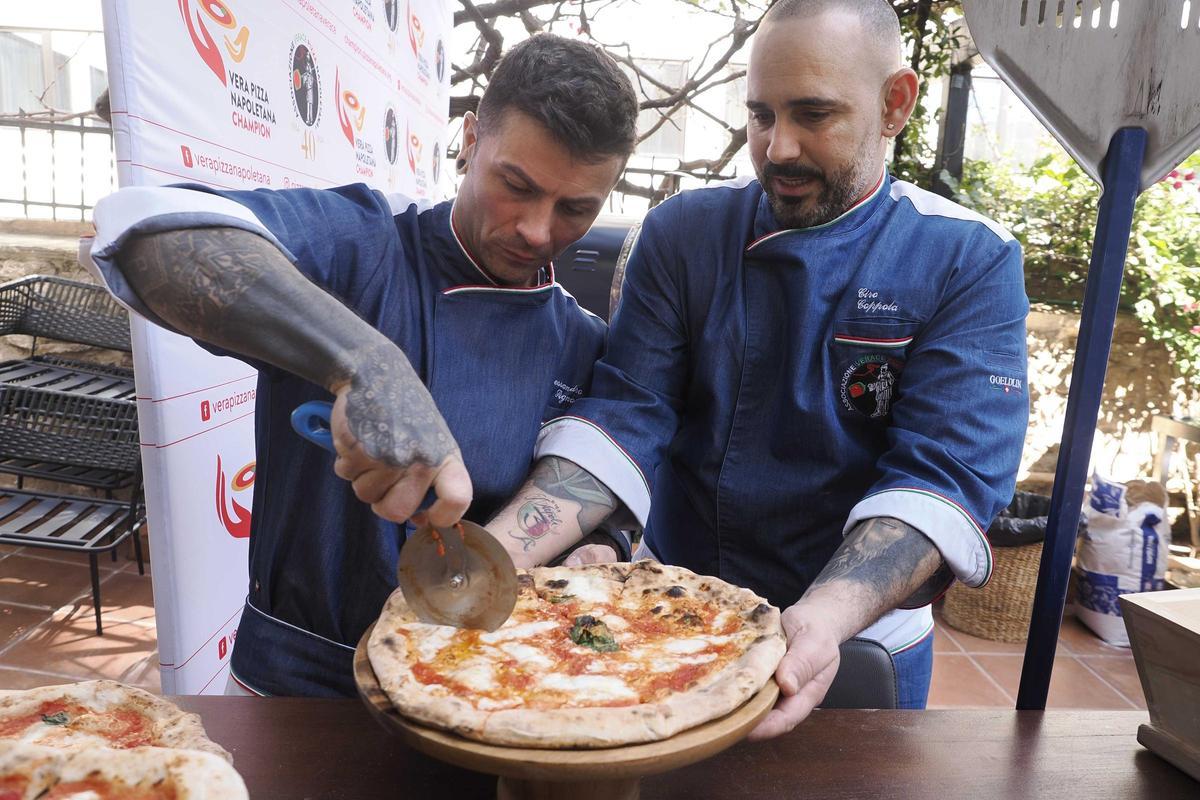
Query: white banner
[[244, 94]]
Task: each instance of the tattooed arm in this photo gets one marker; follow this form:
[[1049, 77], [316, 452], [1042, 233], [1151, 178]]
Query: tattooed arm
[[236, 290], [559, 504], [882, 564]]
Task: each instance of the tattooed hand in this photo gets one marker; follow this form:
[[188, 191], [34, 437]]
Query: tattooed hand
[[392, 443], [881, 563]]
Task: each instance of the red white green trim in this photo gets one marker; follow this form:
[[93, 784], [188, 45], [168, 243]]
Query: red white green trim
[[865, 199], [925, 634], [872, 342], [606, 435], [975, 526]]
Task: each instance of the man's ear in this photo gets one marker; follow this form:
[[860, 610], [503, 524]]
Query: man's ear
[[899, 100], [470, 142]]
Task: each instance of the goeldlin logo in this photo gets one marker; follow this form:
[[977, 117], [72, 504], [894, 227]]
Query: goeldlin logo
[[233, 515], [416, 38], [206, 46]]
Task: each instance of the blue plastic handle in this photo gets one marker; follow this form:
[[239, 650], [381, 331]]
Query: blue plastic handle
[[311, 421]]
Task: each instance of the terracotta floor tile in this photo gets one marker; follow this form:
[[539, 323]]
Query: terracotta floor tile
[[41, 582], [124, 597], [70, 646], [1071, 684], [1079, 640], [942, 643], [958, 683], [28, 679], [16, 620], [1121, 673], [975, 644]]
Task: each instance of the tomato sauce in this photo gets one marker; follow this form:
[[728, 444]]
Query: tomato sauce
[[111, 790], [12, 787]]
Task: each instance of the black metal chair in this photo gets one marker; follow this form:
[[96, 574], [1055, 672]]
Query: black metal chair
[[70, 422]]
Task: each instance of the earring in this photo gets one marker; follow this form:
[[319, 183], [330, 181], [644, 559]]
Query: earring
[[891, 126], [461, 165]]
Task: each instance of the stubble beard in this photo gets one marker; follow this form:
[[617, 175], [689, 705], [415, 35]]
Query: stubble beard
[[840, 191]]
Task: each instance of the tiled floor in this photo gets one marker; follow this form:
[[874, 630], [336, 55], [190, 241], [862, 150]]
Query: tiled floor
[[969, 672], [47, 622], [47, 636]]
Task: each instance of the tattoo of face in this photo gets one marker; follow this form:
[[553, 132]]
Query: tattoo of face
[[537, 517], [391, 412], [883, 556]]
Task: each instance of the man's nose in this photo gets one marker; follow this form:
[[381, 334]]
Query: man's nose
[[784, 147], [535, 227]]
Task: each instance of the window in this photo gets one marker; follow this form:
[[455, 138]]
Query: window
[[668, 140]]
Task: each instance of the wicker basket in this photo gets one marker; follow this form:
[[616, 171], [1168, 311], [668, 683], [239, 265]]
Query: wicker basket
[[1000, 611]]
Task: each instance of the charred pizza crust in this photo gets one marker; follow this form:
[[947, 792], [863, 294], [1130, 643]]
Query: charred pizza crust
[[29, 771], [88, 714], [659, 650]]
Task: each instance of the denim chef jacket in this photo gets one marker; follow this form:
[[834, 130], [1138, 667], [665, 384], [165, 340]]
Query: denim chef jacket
[[765, 389], [498, 362]]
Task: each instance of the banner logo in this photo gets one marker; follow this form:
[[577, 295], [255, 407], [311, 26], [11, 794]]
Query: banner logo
[[306, 82], [437, 162], [440, 60], [218, 12], [413, 143], [391, 12], [416, 38], [205, 411], [351, 115], [416, 31], [363, 13], [391, 135], [233, 515], [186, 152]]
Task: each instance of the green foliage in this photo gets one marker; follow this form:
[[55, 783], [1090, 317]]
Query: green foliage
[[1050, 207]]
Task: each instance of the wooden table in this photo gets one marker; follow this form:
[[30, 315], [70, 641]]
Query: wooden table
[[295, 749]]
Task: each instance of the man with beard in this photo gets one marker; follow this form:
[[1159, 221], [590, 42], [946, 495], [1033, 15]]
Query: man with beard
[[796, 395], [439, 331]]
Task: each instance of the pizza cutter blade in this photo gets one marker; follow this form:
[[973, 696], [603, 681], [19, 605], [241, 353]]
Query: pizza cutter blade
[[460, 576]]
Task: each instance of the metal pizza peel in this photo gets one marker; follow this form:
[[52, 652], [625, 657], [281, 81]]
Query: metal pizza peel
[[460, 575]]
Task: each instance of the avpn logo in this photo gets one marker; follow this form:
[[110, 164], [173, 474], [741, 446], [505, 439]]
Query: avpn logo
[[306, 82], [437, 163], [391, 12], [439, 60], [391, 135], [234, 516], [236, 38]]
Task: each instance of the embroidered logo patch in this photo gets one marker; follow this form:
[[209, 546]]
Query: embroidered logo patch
[[1006, 382], [869, 384]]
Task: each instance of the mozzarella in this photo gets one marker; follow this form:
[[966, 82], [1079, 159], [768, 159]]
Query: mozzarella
[[684, 645], [430, 639], [526, 654], [588, 589], [476, 674], [593, 686], [525, 631]]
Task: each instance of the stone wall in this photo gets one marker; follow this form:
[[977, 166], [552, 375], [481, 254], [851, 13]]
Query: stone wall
[[1139, 385]]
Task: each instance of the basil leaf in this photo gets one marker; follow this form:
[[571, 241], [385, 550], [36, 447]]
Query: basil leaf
[[562, 598], [590, 632], [59, 718]]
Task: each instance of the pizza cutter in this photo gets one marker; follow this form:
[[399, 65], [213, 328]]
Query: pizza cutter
[[460, 575]]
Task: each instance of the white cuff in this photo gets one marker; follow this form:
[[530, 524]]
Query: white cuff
[[586, 444], [958, 537]]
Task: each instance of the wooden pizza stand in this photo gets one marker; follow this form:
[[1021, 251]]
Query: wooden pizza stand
[[536, 774]]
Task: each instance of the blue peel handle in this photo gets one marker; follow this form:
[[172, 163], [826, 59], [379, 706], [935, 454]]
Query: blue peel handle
[[311, 421]]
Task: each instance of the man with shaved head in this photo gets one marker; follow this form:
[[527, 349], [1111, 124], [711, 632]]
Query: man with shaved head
[[814, 379]]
